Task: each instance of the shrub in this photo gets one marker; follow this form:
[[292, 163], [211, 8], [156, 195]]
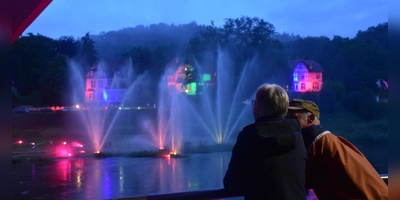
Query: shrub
[[364, 105], [373, 132]]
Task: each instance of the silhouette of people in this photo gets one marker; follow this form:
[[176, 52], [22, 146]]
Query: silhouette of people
[[269, 157], [335, 169]]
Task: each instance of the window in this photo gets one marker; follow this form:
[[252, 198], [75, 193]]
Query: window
[[303, 86], [93, 84], [100, 83], [295, 77], [315, 86], [296, 87], [317, 76]]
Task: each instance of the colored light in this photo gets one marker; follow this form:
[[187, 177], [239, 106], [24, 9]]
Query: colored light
[[206, 77], [20, 142]]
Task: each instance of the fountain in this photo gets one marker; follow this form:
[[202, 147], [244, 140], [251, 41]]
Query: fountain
[[200, 113], [106, 101], [214, 114]]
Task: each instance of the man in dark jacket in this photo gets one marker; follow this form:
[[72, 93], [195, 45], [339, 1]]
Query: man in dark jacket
[[269, 158]]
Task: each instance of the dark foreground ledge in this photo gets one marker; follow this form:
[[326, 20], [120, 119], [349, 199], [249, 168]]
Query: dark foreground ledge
[[201, 194], [194, 195]]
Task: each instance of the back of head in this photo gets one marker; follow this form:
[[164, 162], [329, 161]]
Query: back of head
[[271, 101]]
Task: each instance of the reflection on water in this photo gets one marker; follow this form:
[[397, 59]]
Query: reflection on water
[[125, 177]]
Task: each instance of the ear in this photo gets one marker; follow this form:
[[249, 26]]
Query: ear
[[311, 118]]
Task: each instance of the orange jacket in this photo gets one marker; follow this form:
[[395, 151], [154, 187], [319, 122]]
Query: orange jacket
[[337, 170]]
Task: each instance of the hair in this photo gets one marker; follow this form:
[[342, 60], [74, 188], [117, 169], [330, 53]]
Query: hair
[[307, 114], [272, 100]]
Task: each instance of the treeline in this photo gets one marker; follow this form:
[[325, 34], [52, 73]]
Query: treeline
[[351, 65]]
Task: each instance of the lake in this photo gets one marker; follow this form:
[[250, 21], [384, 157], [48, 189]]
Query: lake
[[117, 177]]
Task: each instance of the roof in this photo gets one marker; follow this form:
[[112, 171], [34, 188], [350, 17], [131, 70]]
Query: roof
[[312, 65]]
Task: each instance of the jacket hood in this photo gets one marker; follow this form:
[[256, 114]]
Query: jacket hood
[[277, 136]]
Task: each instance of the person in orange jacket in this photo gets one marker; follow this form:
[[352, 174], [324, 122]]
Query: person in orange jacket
[[335, 168]]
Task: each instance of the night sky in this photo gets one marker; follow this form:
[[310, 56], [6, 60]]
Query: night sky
[[304, 17]]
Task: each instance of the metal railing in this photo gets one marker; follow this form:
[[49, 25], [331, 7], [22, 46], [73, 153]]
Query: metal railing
[[201, 194]]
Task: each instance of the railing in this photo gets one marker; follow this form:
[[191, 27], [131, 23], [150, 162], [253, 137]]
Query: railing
[[201, 194]]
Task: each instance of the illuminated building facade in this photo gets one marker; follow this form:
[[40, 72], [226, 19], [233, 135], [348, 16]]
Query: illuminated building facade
[[185, 80], [307, 76], [98, 89]]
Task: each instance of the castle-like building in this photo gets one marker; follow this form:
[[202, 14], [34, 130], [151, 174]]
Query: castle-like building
[[307, 75], [99, 90]]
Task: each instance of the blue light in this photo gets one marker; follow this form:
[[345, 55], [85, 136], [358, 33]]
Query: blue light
[[105, 96], [295, 77]]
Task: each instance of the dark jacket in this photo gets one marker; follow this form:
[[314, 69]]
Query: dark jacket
[[268, 161]]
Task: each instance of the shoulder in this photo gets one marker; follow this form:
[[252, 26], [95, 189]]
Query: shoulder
[[249, 128], [293, 124]]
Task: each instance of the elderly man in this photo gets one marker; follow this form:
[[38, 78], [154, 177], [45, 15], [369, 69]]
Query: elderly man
[[336, 169], [269, 157]]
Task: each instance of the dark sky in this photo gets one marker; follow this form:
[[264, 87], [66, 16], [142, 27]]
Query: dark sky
[[303, 17]]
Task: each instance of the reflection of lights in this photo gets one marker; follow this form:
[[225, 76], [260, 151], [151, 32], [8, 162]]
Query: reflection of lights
[[120, 108], [97, 152], [64, 143], [69, 154], [77, 106], [121, 179], [20, 142], [78, 179], [32, 143]]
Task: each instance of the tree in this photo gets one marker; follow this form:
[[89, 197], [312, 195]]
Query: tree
[[31, 55], [68, 46], [88, 54], [53, 81]]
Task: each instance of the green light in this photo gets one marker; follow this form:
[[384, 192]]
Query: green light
[[206, 77], [191, 88]]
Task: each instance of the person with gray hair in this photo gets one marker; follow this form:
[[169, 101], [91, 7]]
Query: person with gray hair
[[269, 157]]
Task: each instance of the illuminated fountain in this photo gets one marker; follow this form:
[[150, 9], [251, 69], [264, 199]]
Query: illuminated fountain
[[194, 112], [105, 100], [166, 129], [226, 109], [204, 112]]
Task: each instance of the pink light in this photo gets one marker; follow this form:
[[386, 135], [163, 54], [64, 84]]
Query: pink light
[[32, 143], [69, 154], [76, 144], [20, 142], [65, 143]]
